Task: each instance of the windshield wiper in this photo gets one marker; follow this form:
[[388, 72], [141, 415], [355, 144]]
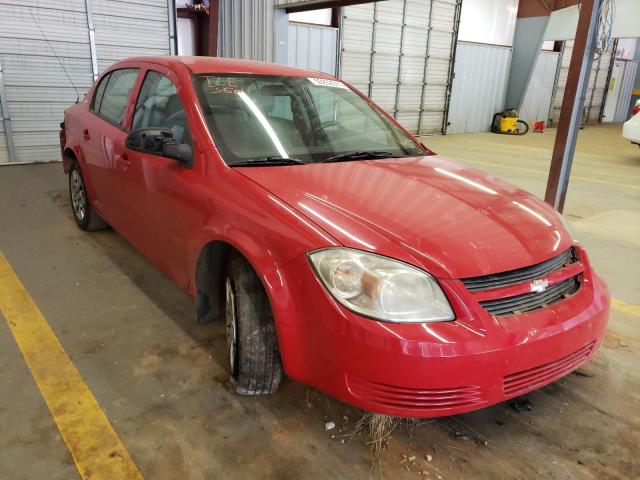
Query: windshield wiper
[[270, 161], [359, 155]]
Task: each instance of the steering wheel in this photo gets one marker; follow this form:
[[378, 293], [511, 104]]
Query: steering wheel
[[322, 126], [179, 115]]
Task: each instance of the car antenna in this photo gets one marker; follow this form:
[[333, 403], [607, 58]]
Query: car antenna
[[55, 55]]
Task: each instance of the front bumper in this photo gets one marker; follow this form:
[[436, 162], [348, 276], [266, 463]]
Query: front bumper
[[434, 369]]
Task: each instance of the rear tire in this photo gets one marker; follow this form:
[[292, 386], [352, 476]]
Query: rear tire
[[252, 342], [85, 216], [522, 127]]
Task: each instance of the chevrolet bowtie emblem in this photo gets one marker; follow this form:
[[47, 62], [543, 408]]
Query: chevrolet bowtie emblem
[[539, 285]]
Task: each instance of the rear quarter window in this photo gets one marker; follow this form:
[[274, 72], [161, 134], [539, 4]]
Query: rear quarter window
[[99, 92]]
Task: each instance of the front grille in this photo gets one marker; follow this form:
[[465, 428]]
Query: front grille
[[415, 398], [527, 380], [512, 277], [533, 300]]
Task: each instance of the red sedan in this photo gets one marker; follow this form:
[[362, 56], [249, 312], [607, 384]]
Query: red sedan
[[336, 246]]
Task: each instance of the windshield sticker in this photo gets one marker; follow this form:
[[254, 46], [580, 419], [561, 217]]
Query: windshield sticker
[[223, 85], [321, 82]]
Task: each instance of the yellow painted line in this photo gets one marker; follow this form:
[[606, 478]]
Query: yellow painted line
[[544, 172], [94, 445], [624, 307]]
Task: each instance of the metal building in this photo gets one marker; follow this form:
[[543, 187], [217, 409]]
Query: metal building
[[597, 90], [399, 52], [50, 53], [435, 65], [483, 61]]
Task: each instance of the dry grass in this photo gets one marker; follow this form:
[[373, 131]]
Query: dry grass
[[380, 428]]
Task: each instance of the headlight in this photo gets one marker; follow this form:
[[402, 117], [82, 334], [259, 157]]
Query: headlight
[[381, 288]]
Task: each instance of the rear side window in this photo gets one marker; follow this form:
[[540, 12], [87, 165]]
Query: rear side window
[[97, 97], [116, 94]]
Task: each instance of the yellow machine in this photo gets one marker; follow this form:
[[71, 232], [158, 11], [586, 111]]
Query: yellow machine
[[508, 123]]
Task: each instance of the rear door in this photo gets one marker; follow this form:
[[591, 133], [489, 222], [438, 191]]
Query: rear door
[[104, 134]]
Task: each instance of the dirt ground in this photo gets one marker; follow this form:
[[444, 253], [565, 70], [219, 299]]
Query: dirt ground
[[161, 379]]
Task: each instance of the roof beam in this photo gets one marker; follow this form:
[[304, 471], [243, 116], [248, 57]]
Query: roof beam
[[306, 5]]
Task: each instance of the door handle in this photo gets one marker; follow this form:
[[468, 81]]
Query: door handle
[[124, 159], [85, 134]]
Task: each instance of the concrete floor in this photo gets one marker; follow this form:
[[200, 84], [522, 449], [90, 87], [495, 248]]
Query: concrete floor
[[161, 379]]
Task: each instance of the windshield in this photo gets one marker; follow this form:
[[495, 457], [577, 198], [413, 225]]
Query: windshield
[[258, 117]]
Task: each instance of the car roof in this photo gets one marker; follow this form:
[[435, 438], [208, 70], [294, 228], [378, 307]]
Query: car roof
[[226, 65]]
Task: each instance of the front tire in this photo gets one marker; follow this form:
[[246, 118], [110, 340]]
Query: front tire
[[252, 343], [85, 216]]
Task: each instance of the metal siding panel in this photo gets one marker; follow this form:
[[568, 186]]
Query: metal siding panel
[[626, 87], [44, 71], [399, 84], [155, 10], [127, 29], [38, 89], [246, 29], [313, 47], [412, 70], [418, 14], [537, 99], [14, 19], [4, 154], [595, 91], [479, 87]]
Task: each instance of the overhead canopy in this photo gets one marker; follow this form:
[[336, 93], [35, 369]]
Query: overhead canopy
[[563, 23]]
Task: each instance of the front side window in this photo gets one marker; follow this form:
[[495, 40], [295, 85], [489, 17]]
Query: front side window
[[313, 120], [159, 106], [116, 94]]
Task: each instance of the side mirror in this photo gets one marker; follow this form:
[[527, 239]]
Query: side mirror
[[180, 152], [160, 141]]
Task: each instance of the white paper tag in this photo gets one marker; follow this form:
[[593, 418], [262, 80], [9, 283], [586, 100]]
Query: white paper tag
[[322, 82]]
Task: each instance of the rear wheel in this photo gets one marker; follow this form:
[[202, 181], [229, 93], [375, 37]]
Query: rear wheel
[[83, 214], [522, 127], [252, 343]]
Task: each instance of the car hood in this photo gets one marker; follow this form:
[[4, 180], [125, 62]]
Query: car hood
[[450, 219]]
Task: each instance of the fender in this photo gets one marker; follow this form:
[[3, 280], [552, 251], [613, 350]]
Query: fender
[[219, 237], [209, 292], [80, 158]]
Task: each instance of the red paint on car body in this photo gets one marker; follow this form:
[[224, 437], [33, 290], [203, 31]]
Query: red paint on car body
[[450, 220]]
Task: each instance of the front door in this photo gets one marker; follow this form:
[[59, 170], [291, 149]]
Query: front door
[[156, 187]]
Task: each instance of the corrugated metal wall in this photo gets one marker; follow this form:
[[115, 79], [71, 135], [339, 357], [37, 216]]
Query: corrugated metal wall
[[128, 28], [479, 87], [246, 29], [4, 152], [314, 47], [595, 92], [37, 88], [537, 99], [400, 53], [39, 37], [623, 104]]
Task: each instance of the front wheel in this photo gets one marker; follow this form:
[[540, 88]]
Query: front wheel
[[252, 343], [83, 214]]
